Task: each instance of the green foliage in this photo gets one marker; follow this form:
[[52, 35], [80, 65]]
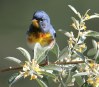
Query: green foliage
[[41, 83], [14, 78], [56, 50], [71, 66], [40, 52]]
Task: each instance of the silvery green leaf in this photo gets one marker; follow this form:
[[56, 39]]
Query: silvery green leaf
[[94, 44], [60, 85], [84, 49], [75, 11], [87, 12], [74, 56], [72, 8], [64, 53], [41, 83], [79, 15], [91, 52], [80, 55], [45, 79], [42, 57], [92, 34], [40, 52], [81, 39], [14, 78], [25, 53], [69, 78], [79, 81], [76, 22], [81, 74], [48, 74], [97, 54], [14, 60], [52, 67], [94, 16], [68, 34], [61, 81], [56, 50]]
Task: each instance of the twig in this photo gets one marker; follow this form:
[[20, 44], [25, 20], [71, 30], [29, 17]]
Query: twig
[[65, 63], [10, 69], [60, 63]]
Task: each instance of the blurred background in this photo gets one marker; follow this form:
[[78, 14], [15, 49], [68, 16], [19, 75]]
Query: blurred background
[[15, 18]]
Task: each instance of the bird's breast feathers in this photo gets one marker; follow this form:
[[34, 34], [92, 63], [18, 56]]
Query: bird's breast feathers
[[43, 38]]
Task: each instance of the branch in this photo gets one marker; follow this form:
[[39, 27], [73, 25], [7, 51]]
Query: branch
[[60, 63], [65, 63], [10, 69]]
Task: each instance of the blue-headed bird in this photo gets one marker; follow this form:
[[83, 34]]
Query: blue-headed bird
[[41, 31]]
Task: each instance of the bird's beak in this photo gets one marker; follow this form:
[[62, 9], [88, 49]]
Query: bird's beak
[[35, 23]]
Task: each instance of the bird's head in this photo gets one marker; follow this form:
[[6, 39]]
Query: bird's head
[[41, 20]]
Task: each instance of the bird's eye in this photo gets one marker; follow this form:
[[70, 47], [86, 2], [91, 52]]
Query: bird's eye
[[41, 19]]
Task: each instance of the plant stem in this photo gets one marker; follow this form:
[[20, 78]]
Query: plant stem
[[60, 63], [10, 69]]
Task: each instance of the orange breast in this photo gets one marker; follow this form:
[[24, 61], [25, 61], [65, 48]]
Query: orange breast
[[43, 38]]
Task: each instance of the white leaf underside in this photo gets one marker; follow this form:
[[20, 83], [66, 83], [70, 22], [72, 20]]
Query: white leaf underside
[[14, 60], [25, 53]]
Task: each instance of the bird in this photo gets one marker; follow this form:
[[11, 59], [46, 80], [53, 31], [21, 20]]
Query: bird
[[41, 30]]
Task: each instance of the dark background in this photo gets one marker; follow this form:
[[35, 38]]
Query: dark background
[[15, 18]]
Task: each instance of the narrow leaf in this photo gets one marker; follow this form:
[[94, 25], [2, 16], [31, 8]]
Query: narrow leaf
[[48, 74], [94, 16], [56, 50], [69, 78], [94, 44], [87, 12], [97, 54], [75, 11], [79, 54], [64, 53], [80, 74], [68, 34], [14, 78], [42, 57], [14, 60], [40, 52], [25, 53], [76, 22], [46, 81], [52, 67], [92, 34], [41, 83], [91, 52], [79, 81], [81, 39]]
